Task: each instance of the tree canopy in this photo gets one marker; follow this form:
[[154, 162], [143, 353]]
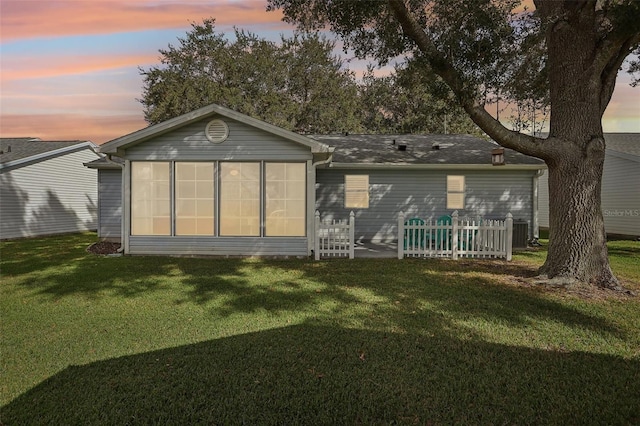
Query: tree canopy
[[298, 83], [568, 52], [289, 84]]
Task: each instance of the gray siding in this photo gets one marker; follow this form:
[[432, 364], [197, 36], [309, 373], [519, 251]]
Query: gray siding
[[110, 204], [543, 200], [53, 196], [189, 143], [422, 193], [620, 196], [218, 246]]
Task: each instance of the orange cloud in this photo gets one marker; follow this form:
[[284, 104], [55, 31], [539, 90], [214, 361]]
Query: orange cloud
[[45, 66], [32, 19], [98, 129]]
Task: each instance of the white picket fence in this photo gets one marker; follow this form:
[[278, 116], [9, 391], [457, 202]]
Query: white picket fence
[[475, 238], [334, 238]]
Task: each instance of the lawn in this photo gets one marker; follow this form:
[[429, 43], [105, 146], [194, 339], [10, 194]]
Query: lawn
[[160, 340]]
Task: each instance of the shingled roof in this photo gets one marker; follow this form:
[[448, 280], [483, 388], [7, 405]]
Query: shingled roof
[[16, 150], [420, 149], [624, 143]]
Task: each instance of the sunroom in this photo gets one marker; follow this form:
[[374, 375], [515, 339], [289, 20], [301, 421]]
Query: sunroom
[[248, 190]]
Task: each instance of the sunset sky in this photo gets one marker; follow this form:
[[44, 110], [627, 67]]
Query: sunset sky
[[69, 68]]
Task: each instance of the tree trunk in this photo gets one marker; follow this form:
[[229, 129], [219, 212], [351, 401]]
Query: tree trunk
[[575, 149], [577, 239]]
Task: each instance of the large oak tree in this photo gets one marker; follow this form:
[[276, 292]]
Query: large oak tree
[[290, 84], [482, 47]]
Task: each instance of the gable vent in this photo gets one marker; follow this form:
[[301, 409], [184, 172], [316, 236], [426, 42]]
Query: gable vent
[[217, 131]]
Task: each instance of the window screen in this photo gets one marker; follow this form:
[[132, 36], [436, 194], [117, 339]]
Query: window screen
[[240, 199], [150, 203], [285, 199], [194, 199]]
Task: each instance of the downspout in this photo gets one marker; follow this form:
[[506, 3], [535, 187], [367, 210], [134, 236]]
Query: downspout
[[110, 161], [535, 225]]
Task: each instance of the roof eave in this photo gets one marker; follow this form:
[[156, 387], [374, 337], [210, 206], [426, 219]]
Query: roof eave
[[401, 166], [117, 145], [50, 154]]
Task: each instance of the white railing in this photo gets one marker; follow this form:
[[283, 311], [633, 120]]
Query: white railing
[[335, 238], [455, 238]]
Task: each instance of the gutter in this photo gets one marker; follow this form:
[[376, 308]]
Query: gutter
[[409, 166]]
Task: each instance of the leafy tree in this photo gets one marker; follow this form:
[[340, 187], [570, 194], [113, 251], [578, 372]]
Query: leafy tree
[[411, 100], [289, 84], [577, 46]]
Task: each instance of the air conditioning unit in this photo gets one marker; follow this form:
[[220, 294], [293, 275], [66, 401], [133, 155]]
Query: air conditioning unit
[[520, 234]]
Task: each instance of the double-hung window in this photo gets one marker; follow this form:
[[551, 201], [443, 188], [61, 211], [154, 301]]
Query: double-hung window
[[356, 191], [455, 192]]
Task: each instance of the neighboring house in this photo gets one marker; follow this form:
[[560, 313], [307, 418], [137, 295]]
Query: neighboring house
[[218, 182], [620, 186], [44, 187]]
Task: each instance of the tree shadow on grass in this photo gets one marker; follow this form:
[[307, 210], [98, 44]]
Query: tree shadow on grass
[[389, 293], [319, 374]]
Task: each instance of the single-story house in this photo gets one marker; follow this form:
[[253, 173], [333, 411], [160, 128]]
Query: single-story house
[[44, 187], [620, 186], [217, 182]]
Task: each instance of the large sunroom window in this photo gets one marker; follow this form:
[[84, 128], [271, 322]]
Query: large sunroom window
[[194, 193], [150, 198], [239, 199], [285, 199]]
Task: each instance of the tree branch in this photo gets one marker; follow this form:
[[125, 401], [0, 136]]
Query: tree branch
[[444, 68], [609, 72]]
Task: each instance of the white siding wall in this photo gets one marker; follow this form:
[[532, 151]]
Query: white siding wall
[[543, 200], [422, 193], [54, 196], [620, 196]]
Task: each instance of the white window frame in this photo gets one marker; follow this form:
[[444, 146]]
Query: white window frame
[[456, 186], [356, 191]]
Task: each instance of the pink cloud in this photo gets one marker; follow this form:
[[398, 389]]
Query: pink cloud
[[46, 18], [46, 66], [98, 129]]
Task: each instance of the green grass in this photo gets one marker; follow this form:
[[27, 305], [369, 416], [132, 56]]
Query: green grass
[[161, 340]]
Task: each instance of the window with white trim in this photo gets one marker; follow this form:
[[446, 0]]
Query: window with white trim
[[356, 191], [150, 198], [455, 192]]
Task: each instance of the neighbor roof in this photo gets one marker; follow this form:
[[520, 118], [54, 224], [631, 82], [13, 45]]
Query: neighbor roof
[[16, 151], [624, 143], [420, 150]]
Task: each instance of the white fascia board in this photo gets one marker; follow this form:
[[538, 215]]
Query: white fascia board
[[117, 145], [405, 166], [50, 154]]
